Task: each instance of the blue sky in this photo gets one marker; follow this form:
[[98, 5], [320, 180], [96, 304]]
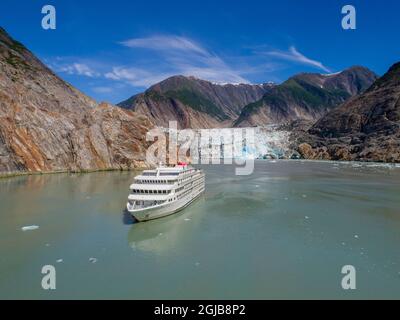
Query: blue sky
[[113, 49]]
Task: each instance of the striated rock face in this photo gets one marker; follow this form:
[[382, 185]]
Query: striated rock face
[[306, 96], [195, 103], [366, 128], [47, 125]]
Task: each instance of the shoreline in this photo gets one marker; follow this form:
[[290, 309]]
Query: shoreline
[[39, 173], [5, 175]]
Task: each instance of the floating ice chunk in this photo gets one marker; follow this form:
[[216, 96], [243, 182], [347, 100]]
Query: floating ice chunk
[[307, 217], [187, 219], [356, 236], [29, 228], [92, 260], [47, 244], [197, 264], [59, 260], [304, 196]]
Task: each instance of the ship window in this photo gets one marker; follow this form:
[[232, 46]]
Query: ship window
[[149, 174]]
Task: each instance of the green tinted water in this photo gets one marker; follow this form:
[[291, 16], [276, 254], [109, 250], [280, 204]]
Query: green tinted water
[[283, 232]]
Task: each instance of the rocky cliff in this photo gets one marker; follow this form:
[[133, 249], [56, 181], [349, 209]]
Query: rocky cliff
[[306, 96], [47, 125], [366, 128], [195, 103]]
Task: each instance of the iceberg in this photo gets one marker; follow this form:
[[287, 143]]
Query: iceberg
[[29, 228], [92, 260]]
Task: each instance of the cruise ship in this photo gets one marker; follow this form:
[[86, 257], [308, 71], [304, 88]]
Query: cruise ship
[[163, 191]]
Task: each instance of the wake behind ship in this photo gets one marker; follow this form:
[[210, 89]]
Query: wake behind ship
[[163, 191]]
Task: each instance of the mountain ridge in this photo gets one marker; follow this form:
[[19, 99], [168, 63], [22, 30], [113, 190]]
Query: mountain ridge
[[193, 102], [197, 103], [365, 128], [306, 96], [48, 125]]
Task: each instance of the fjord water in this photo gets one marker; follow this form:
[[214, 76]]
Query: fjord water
[[284, 232]]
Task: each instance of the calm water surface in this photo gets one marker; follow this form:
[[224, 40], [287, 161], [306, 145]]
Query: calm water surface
[[283, 232]]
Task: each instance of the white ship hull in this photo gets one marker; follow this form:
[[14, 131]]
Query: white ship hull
[[164, 210], [164, 191]]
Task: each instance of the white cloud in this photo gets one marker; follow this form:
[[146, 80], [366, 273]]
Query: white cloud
[[152, 59], [80, 69], [135, 76], [296, 56], [175, 55], [163, 43]]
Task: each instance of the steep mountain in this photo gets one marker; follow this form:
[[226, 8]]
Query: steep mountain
[[365, 128], [47, 125], [195, 103], [306, 96]]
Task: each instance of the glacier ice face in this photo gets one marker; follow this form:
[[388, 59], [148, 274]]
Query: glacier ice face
[[268, 142]]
